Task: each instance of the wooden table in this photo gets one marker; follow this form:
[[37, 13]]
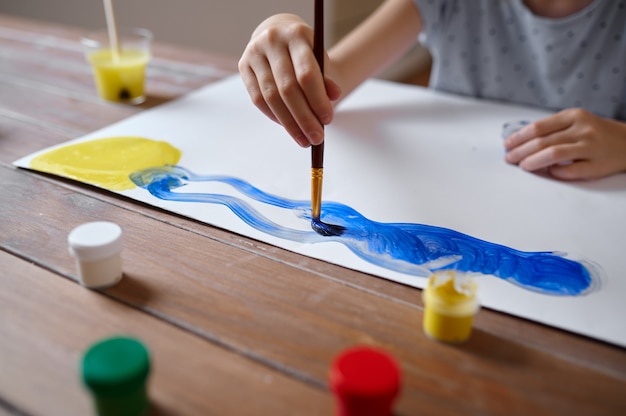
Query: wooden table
[[236, 327]]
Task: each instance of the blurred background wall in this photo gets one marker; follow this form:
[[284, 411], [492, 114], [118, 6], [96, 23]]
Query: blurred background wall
[[221, 26]]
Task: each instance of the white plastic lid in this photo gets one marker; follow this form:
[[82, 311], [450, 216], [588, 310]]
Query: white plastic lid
[[95, 240]]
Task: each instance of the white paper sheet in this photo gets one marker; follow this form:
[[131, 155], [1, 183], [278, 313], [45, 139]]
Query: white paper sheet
[[401, 154]]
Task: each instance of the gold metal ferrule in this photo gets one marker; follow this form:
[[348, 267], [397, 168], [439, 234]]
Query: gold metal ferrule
[[316, 192]]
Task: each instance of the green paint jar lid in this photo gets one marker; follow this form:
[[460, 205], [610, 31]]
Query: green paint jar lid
[[116, 370]]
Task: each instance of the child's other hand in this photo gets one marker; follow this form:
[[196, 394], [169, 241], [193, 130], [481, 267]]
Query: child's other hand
[[283, 78], [572, 144]]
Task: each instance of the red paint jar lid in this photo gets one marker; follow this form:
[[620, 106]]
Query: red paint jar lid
[[365, 379]]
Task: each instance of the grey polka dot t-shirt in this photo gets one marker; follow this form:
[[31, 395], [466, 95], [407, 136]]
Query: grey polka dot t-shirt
[[499, 49]]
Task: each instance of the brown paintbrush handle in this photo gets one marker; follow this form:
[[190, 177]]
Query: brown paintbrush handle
[[318, 34], [317, 156], [317, 151]]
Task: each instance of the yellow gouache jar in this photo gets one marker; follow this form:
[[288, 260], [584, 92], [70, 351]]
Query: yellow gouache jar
[[450, 303], [119, 74]]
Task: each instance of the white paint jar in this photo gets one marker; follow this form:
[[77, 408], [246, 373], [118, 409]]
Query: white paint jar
[[97, 247]]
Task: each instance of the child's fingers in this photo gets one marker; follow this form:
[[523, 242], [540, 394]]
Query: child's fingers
[[311, 81], [559, 154], [546, 126], [582, 169], [265, 94], [548, 145], [252, 86], [271, 84], [333, 90], [287, 100]]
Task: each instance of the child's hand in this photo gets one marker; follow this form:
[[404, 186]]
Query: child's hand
[[572, 144], [284, 80]]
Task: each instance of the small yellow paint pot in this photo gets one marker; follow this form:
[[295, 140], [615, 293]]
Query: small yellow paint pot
[[450, 304], [119, 73]]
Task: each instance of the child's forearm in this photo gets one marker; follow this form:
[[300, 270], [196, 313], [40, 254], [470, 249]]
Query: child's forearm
[[381, 39]]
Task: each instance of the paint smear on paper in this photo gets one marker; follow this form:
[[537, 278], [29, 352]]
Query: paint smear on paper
[[414, 249], [122, 163], [107, 162]]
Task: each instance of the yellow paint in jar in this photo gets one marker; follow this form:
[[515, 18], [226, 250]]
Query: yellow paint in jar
[[450, 304], [121, 79], [107, 162]]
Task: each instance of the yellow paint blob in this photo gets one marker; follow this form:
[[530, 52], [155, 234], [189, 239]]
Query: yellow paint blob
[[450, 304], [107, 162], [122, 79]]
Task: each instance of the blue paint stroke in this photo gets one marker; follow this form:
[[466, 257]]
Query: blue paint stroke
[[413, 249]]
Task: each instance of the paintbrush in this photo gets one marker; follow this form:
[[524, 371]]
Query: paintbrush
[[112, 30], [317, 151]]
